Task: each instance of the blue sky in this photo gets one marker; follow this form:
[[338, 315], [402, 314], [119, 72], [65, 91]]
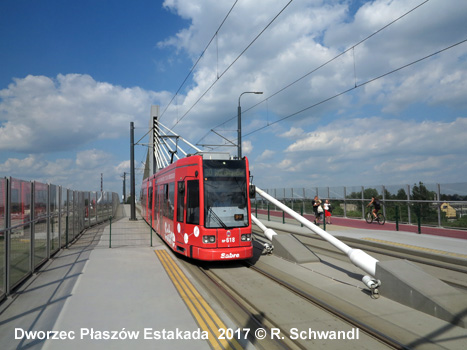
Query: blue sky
[[73, 75]]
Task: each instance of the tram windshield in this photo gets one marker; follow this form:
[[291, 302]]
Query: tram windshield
[[225, 193]]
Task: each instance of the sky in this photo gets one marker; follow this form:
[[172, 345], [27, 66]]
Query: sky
[[355, 93]]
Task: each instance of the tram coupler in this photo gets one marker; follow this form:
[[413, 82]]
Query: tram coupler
[[373, 284], [268, 248]]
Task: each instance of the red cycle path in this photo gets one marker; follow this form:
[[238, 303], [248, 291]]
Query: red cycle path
[[388, 226]]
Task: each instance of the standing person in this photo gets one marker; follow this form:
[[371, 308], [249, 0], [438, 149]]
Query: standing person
[[327, 211], [316, 209]]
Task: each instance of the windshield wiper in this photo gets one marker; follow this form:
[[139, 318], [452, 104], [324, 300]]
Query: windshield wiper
[[218, 219]]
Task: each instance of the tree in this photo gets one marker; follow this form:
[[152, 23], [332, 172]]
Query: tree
[[401, 194], [423, 210], [370, 192]]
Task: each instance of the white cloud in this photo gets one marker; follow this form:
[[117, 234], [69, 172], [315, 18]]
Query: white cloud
[[293, 133], [91, 159], [306, 35], [407, 122], [378, 136], [342, 140], [123, 167], [81, 173], [375, 150], [247, 147], [266, 155], [41, 114]]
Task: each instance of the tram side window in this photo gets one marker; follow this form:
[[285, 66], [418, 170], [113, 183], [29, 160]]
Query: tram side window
[[180, 201], [150, 198], [171, 200], [192, 202], [169, 196], [156, 199], [143, 198]]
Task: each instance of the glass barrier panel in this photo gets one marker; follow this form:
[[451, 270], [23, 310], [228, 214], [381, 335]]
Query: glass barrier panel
[[54, 217], [3, 190], [63, 216], [93, 208], [20, 250], [87, 221], [75, 214], [81, 211], [40, 222]]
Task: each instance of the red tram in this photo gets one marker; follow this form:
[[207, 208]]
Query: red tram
[[201, 207]]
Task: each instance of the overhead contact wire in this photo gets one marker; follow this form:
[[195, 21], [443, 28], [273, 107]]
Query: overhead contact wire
[[234, 61], [199, 58], [322, 65]]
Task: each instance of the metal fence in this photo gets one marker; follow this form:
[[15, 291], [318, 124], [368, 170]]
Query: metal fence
[[37, 219], [442, 205]]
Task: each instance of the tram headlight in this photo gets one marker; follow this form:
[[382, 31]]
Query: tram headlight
[[246, 237], [209, 239]]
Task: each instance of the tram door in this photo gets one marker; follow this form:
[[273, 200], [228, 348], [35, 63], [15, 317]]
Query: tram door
[[154, 203], [160, 206], [149, 214], [180, 225]]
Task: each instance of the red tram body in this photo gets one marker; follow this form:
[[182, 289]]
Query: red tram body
[[201, 207]]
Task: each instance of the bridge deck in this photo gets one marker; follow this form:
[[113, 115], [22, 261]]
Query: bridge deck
[[89, 289]]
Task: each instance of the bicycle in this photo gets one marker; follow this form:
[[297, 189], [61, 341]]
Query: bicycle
[[369, 217]]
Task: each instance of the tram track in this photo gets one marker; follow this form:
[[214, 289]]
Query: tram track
[[250, 310], [260, 294], [449, 269], [348, 318], [243, 313]]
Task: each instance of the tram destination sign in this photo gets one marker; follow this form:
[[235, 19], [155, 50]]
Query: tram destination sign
[[224, 172], [215, 168]]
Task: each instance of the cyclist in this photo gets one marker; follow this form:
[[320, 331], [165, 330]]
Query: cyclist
[[377, 206]]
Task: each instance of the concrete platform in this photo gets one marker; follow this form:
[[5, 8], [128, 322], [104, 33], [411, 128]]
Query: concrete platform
[[338, 283], [90, 292], [401, 281]]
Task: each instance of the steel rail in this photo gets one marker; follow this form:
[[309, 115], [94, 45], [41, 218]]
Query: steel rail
[[245, 307], [390, 342]]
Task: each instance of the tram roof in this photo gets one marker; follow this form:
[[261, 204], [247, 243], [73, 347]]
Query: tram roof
[[214, 155]]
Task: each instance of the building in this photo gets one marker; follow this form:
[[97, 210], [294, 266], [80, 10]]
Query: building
[[449, 210]]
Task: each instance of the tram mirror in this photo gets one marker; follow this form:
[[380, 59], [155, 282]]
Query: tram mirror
[[252, 191], [181, 187]]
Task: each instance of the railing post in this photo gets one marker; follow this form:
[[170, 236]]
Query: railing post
[[363, 202], [438, 204], [409, 212], [304, 200], [66, 232], [110, 232], [301, 212], [345, 202], [7, 235], [397, 218], [150, 228], [384, 200]]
